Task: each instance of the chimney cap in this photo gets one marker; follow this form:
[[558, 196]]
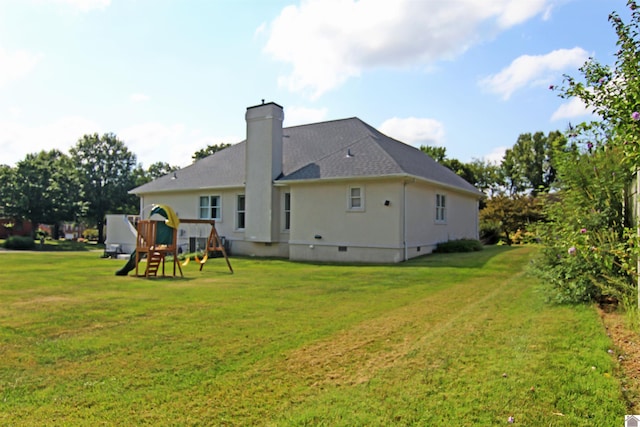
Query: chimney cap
[[264, 104]]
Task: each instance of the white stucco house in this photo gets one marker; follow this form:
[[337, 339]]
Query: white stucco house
[[337, 191]]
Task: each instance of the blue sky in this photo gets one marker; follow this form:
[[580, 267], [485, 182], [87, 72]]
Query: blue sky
[[169, 77]]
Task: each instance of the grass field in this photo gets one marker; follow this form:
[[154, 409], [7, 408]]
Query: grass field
[[462, 339]]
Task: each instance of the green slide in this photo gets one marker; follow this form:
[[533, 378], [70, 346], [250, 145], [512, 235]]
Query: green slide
[[130, 265]]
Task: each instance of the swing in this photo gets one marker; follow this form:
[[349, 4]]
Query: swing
[[204, 258], [213, 244]]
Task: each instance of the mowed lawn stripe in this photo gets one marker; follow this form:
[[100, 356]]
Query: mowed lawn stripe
[[278, 343]]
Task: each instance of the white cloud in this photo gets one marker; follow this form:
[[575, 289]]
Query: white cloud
[[138, 97], [533, 70], [414, 131], [328, 41], [85, 5], [517, 12], [574, 108], [17, 139], [14, 112], [496, 155], [294, 116], [150, 142], [16, 64], [174, 144]]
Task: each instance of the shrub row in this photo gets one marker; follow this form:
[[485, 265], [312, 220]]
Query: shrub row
[[460, 245], [19, 243]]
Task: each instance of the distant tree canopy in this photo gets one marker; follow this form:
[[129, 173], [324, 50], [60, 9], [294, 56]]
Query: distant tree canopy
[[106, 171], [529, 166], [526, 168], [158, 169], [45, 189], [7, 189], [480, 173], [209, 150]]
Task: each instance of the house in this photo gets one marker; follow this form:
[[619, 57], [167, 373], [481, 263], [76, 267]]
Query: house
[[332, 191], [13, 227]]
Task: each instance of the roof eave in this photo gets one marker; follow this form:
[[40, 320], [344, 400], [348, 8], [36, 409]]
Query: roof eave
[[174, 190], [283, 183]]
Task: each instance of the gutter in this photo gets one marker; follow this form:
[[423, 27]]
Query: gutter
[[282, 183]]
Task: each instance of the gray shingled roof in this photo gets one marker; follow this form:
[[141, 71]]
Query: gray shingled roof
[[316, 151]]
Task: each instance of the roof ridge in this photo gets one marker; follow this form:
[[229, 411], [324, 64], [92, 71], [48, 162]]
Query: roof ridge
[[322, 123]]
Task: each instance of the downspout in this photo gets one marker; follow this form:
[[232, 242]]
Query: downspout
[[404, 224], [478, 219]]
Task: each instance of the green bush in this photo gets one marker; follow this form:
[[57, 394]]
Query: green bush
[[490, 232], [19, 243], [90, 234], [460, 245], [588, 253]]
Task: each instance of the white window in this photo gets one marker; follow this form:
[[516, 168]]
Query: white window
[[287, 211], [240, 211], [441, 208], [210, 207], [355, 201]]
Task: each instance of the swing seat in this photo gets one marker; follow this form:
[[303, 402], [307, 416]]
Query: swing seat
[[203, 260]]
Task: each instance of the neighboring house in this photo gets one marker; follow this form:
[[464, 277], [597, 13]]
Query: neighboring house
[[72, 230], [332, 191], [13, 227]]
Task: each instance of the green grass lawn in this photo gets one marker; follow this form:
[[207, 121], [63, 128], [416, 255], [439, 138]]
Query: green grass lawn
[[455, 339]]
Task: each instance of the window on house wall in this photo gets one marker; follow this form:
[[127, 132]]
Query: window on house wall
[[210, 207], [287, 211], [441, 208], [355, 200], [240, 211]]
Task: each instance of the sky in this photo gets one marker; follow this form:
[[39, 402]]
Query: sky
[[169, 77]]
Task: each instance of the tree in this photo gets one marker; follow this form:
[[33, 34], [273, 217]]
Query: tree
[[511, 213], [612, 94], [158, 169], [487, 177], [589, 252], [479, 173], [140, 176], [439, 154], [529, 164], [106, 170], [211, 149], [7, 189], [47, 189]]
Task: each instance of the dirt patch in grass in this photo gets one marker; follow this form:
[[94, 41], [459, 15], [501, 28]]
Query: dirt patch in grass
[[627, 351], [42, 300], [354, 355]]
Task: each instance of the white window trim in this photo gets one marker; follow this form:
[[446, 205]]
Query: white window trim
[[441, 208], [360, 208], [219, 219], [284, 211], [237, 226]]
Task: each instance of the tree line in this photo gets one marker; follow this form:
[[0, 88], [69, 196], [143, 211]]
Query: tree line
[[93, 179]]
